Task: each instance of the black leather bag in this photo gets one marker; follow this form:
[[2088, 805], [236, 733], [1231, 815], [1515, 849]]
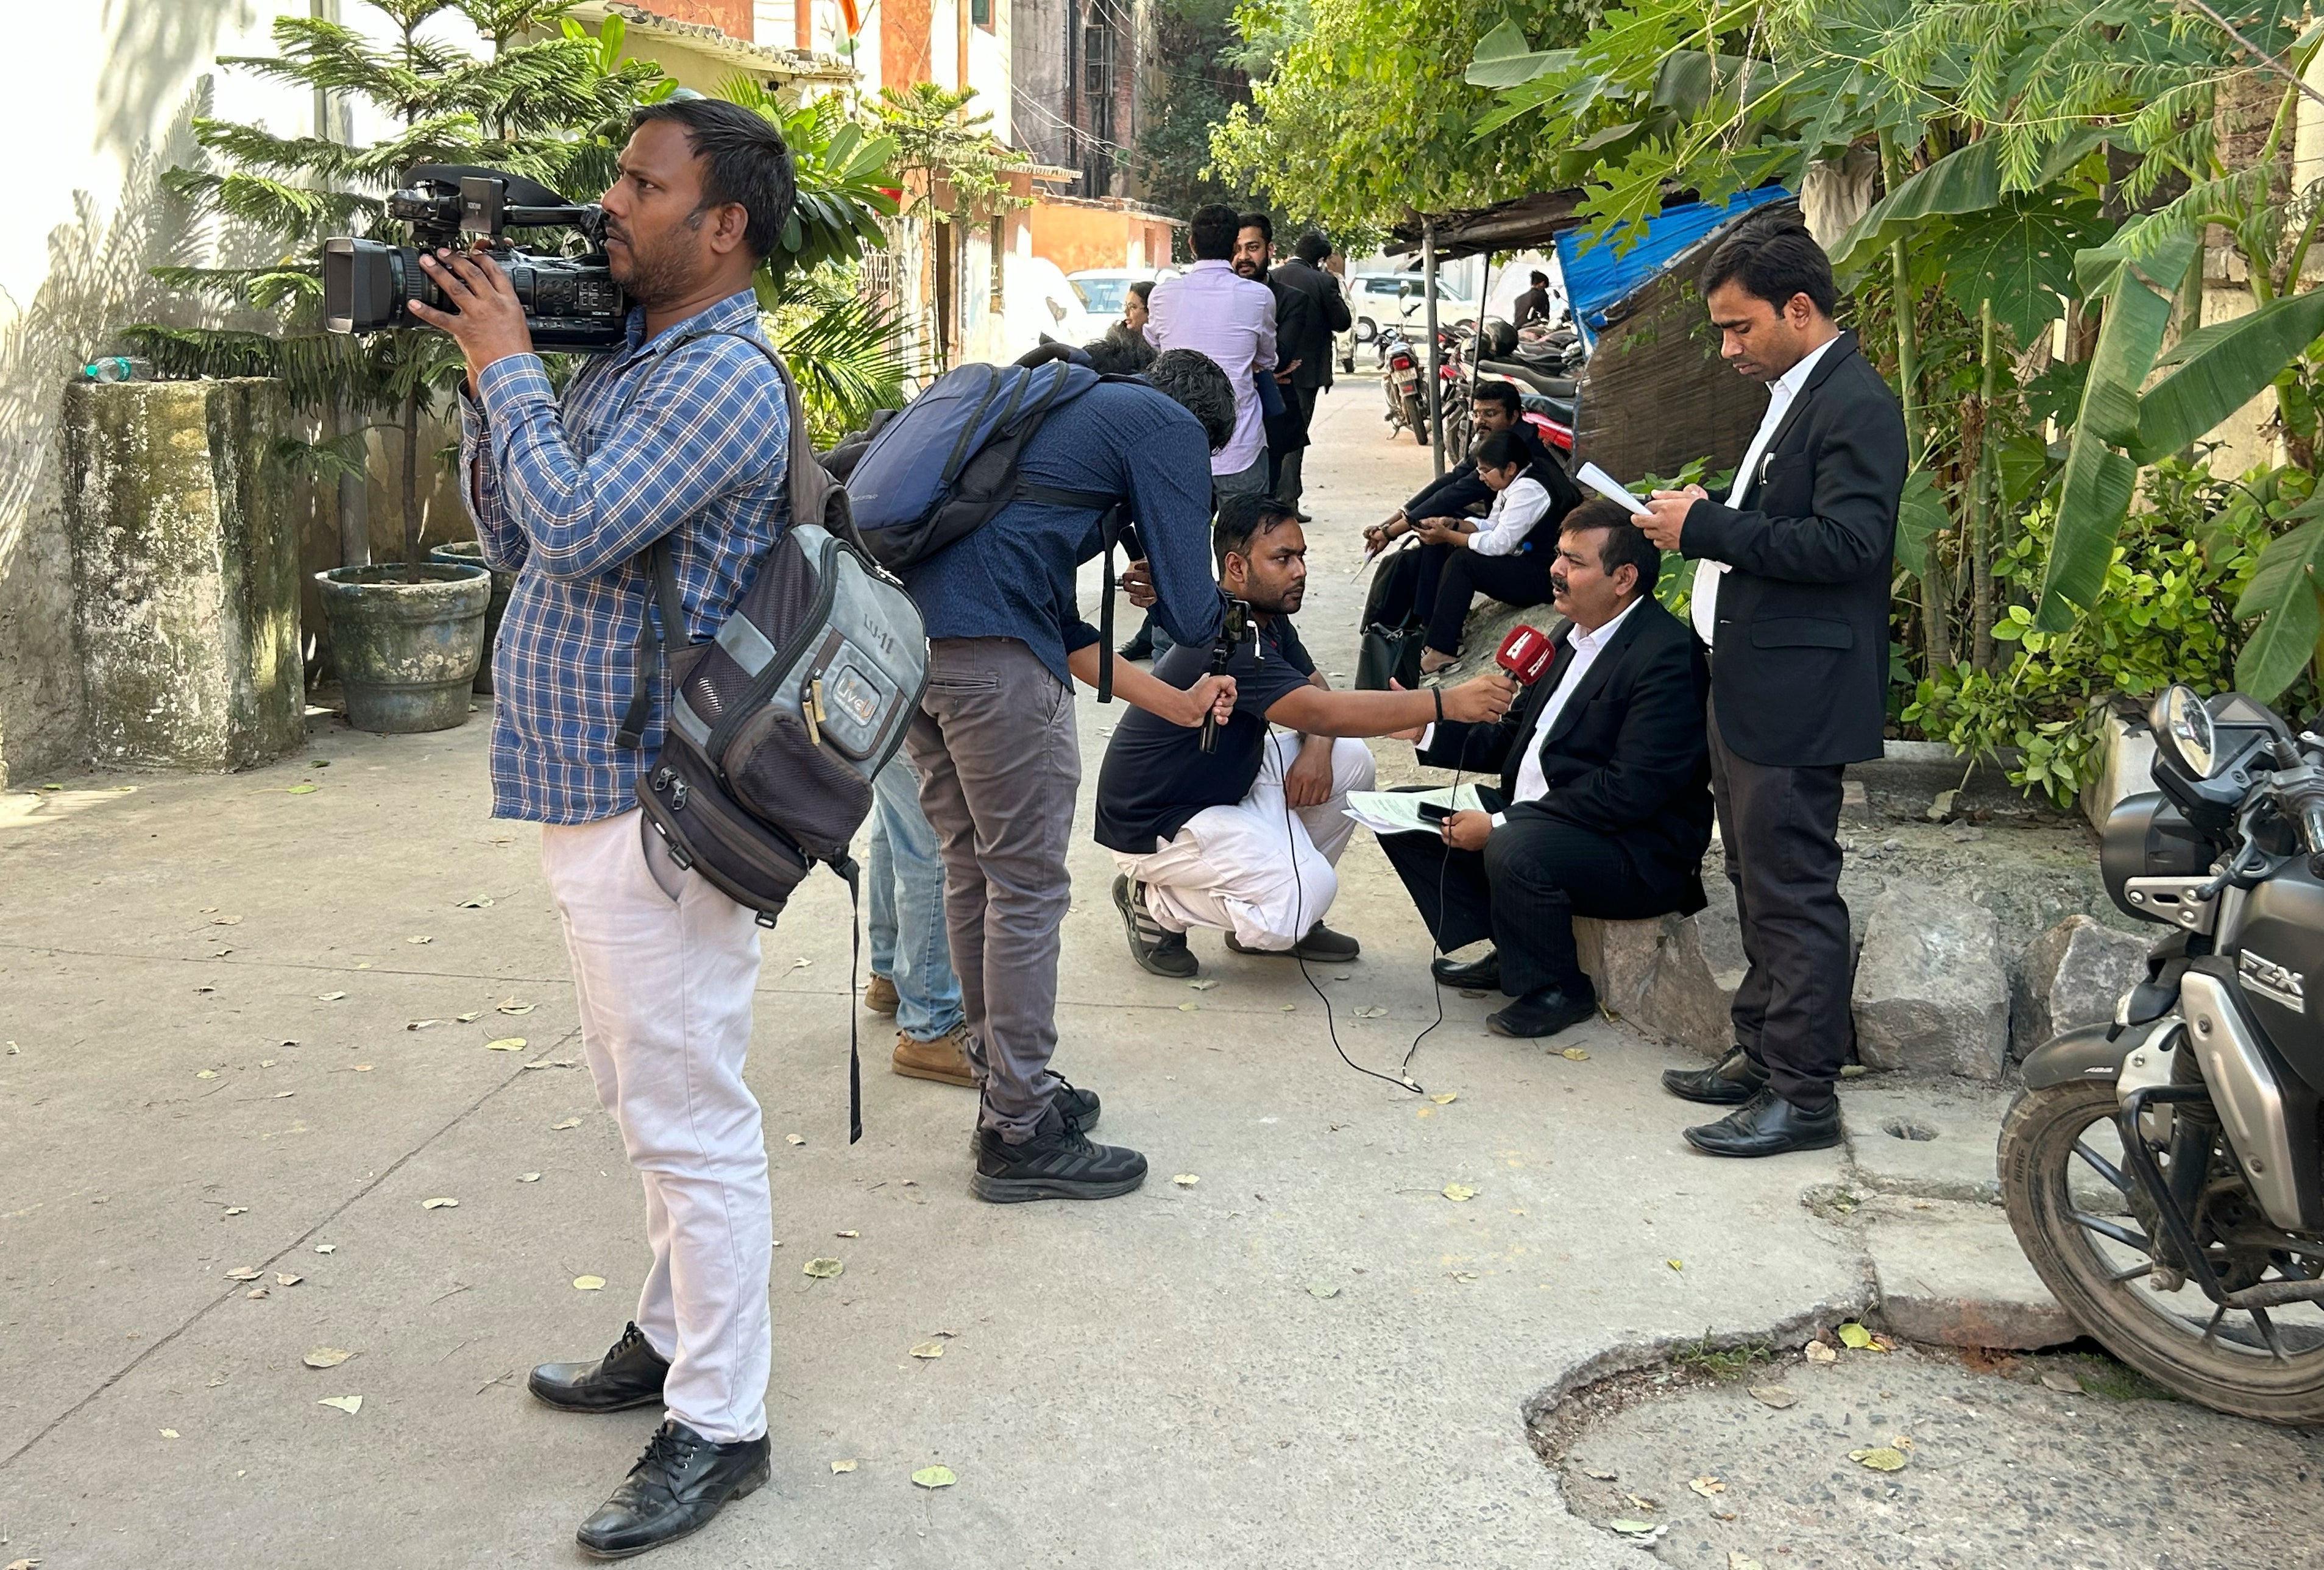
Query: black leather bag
[[1394, 628], [1390, 651]]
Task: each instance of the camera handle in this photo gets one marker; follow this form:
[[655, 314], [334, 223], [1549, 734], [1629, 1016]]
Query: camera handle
[[1234, 620]]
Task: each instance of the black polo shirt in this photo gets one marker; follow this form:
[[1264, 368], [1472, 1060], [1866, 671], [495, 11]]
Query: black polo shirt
[[1156, 776]]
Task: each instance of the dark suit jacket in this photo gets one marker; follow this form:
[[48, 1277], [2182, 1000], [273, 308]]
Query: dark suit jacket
[[1326, 314], [1628, 756], [1799, 656]]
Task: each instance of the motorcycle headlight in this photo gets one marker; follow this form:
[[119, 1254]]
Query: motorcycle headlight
[[2182, 724]]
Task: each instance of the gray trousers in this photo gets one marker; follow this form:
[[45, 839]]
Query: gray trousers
[[999, 765], [1779, 830]]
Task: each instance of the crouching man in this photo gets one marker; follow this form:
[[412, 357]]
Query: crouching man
[[1604, 804], [1245, 837]]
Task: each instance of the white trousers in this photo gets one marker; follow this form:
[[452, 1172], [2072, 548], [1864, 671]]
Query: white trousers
[[664, 964], [1263, 874]]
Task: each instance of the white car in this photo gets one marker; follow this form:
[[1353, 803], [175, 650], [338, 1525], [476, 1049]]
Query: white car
[[1038, 300], [1377, 299], [1104, 290]]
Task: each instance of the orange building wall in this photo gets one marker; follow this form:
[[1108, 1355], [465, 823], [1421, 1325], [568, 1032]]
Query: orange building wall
[[1078, 237], [903, 41]]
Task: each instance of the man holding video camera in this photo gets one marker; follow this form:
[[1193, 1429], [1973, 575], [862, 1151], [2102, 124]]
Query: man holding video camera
[[680, 434]]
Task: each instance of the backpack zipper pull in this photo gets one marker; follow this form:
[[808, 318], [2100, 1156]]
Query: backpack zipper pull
[[811, 708]]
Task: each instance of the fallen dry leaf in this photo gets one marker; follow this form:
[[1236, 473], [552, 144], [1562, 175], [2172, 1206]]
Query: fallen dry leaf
[[843, 1465], [568, 1123], [506, 1044], [482, 902], [471, 1017], [326, 1356], [1817, 1352], [226, 921], [301, 790], [1322, 1289], [279, 1095], [169, 1433], [1447, 1099], [237, 1209], [420, 940], [327, 1248], [206, 1074], [1643, 1503], [1637, 1528], [1188, 1007], [1186, 1180], [288, 1278], [795, 1139], [348, 1404], [1774, 1395], [2057, 1380], [822, 1268], [510, 1006], [440, 1203], [1739, 1560], [421, 1024], [1601, 1476], [1573, 1055], [329, 996], [256, 1292], [528, 1177], [248, 1273], [1204, 985], [1371, 1014], [1879, 1458], [934, 1477], [1706, 1486], [1459, 1191], [928, 1349], [588, 1283]]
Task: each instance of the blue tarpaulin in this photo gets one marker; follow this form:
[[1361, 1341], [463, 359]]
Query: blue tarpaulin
[[1599, 275]]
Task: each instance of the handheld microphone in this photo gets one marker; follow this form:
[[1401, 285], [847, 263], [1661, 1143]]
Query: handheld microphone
[[1525, 653]]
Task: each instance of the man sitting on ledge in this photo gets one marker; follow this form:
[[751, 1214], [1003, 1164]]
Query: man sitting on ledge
[[1245, 836], [1604, 805]]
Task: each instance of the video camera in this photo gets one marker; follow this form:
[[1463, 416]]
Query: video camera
[[570, 302]]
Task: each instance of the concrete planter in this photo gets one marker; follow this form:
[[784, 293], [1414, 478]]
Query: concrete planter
[[407, 651], [470, 553]]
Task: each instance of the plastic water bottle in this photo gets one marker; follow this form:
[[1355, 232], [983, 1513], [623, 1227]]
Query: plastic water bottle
[[117, 368]]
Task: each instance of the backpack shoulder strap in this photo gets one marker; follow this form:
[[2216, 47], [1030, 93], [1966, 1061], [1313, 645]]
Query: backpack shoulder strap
[[651, 640]]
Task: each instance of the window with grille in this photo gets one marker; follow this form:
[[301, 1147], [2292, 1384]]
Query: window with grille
[[999, 246]]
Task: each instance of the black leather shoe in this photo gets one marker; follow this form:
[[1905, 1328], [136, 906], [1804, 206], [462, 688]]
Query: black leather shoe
[[628, 1375], [1320, 946], [1543, 1012], [1731, 1081], [1477, 975], [676, 1487], [1769, 1126], [1058, 1162]]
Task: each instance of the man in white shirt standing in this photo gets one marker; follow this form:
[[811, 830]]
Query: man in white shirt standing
[[1791, 593], [1214, 310], [1603, 807]]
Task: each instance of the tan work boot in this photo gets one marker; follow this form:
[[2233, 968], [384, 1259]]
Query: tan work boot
[[943, 1060], [880, 995]]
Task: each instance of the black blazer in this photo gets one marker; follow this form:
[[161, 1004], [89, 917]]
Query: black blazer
[[1628, 756], [1327, 314], [1799, 656]]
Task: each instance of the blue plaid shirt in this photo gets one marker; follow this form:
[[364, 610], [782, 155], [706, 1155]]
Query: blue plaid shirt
[[692, 443]]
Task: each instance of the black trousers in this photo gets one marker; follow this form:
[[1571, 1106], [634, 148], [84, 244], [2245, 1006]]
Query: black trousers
[[1780, 828], [1288, 484], [1523, 891], [1456, 574]]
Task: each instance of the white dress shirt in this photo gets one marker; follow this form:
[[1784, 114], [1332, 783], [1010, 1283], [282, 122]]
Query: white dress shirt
[[1516, 510], [1214, 310], [1532, 786], [1703, 603]]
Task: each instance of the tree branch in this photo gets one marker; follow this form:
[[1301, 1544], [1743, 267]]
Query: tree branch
[[2257, 53]]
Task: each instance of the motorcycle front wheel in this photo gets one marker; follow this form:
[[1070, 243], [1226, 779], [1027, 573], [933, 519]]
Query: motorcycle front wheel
[[2076, 1208]]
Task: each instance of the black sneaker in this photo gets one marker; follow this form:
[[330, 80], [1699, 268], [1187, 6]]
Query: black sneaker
[[678, 1486], [1080, 1105], [1158, 950], [629, 1374], [1058, 1162], [1139, 647], [1320, 946]]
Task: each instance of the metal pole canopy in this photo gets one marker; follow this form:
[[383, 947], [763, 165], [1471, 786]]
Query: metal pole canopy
[[1477, 340], [1436, 368]]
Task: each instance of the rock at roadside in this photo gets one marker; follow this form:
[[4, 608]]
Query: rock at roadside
[[2070, 976], [1931, 991], [1674, 975]]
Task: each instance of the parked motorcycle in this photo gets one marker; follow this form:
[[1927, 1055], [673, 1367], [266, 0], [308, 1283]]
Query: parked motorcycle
[[2165, 1173], [1403, 383]]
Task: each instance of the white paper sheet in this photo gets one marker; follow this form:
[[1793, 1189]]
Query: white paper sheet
[[1606, 485], [1398, 812]]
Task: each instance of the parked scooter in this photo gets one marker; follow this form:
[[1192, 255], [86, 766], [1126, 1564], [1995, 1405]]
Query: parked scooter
[[1403, 383], [2165, 1173]]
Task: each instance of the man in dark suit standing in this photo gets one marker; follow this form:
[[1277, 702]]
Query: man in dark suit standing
[[1791, 593], [1310, 358], [1604, 802]]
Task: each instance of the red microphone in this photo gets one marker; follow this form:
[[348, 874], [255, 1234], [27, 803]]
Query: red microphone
[[1525, 654]]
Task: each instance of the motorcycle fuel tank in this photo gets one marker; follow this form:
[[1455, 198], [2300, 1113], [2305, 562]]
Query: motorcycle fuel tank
[[2279, 959]]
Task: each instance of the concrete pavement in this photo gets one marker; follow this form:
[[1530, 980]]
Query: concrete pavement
[[1310, 1356]]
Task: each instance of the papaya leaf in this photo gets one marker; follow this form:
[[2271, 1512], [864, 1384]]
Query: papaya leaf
[[1920, 514], [2221, 368], [2283, 594], [1504, 60], [2020, 255]]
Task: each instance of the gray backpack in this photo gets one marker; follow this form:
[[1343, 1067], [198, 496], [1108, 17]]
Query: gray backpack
[[779, 722]]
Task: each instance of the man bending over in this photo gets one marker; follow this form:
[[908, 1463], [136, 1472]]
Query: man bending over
[[1245, 836]]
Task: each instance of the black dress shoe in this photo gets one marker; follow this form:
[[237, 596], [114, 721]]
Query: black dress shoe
[[1543, 1012], [1731, 1081], [628, 1375], [1320, 946], [1769, 1126], [1476, 976], [676, 1487]]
